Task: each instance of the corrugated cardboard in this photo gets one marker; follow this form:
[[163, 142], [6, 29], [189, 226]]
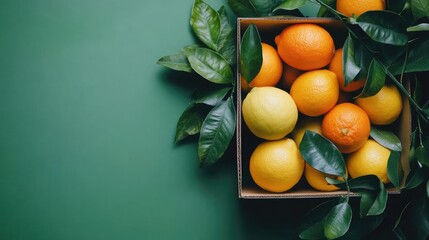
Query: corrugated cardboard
[[246, 142]]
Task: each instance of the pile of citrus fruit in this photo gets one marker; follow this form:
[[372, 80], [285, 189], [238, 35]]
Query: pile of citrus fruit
[[301, 87]]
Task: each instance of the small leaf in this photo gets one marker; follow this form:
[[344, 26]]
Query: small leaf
[[394, 169], [227, 40], [242, 8], [420, 8], [373, 202], [190, 122], [386, 138], [350, 67], [216, 132], [375, 81], [384, 27], [415, 178], [291, 5], [312, 226], [177, 62], [338, 221], [422, 154], [323, 11], [211, 97], [250, 53], [210, 65], [422, 27], [417, 59], [263, 7], [322, 154], [205, 22]]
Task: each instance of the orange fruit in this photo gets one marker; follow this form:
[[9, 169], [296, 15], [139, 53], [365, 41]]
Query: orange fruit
[[384, 107], [315, 92], [276, 166], [305, 46], [357, 7], [336, 66], [317, 180], [370, 159], [271, 68], [290, 74], [347, 126]]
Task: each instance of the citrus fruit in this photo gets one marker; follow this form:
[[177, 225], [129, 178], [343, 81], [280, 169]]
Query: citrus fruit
[[370, 159], [384, 107], [347, 126], [336, 66], [357, 7], [271, 68], [317, 180], [315, 92], [276, 166], [289, 76], [305, 46], [269, 112], [306, 123]]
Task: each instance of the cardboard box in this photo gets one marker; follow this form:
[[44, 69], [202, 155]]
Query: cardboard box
[[246, 142]]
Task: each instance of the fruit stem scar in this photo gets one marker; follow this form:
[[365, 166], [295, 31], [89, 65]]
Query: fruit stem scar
[[344, 131]]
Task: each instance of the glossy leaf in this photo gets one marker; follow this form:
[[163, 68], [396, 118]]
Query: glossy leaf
[[177, 62], [350, 68], [190, 122], [263, 7], [338, 221], [422, 27], [216, 132], [227, 41], [373, 202], [422, 154], [312, 226], [210, 65], [250, 53], [375, 81], [362, 183], [420, 8], [394, 169], [361, 227], [386, 138], [363, 59], [242, 8], [384, 27], [210, 96], [323, 11], [415, 178], [418, 57], [291, 5], [322, 154], [205, 22]]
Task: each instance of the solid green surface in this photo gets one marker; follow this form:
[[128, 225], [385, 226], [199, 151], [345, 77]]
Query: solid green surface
[[87, 122]]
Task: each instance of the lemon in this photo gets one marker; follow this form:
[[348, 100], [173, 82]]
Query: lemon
[[370, 159], [317, 180], [269, 112], [276, 166]]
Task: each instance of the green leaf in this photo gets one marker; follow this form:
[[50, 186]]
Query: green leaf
[[263, 7], [418, 57], [373, 202], [227, 39], [362, 183], [422, 27], [422, 154], [415, 178], [363, 59], [210, 65], [190, 122], [420, 8], [322, 154], [312, 225], [242, 8], [338, 221], [375, 81], [210, 96], [427, 188], [386, 138], [323, 11], [350, 67], [394, 169], [384, 27], [291, 5], [216, 132], [361, 227], [206, 24], [177, 62], [250, 53]]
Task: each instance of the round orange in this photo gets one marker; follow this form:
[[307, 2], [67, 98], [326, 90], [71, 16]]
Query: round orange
[[271, 69], [305, 46], [357, 7], [315, 92], [347, 126], [336, 66], [290, 74]]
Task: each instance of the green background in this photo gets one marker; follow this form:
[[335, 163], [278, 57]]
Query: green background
[[87, 121]]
